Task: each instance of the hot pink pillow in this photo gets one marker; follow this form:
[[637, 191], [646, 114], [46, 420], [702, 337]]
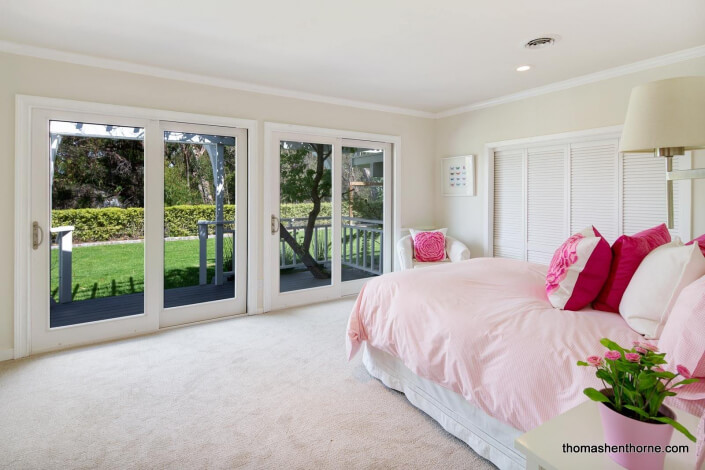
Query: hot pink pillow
[[627, 254], [700, 241], [682, 337], [430, 246], [578, 270]]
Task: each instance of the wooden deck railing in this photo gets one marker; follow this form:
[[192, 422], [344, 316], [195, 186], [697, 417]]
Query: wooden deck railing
[[362, 247]]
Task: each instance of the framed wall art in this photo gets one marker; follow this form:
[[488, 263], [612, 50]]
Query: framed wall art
[[458, 176]]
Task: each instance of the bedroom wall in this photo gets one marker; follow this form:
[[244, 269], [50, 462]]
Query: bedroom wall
[[599, 104], [30, 76]]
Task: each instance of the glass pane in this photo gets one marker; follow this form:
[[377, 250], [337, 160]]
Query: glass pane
[[362, 219], [97, 222], [305, 240], [199, 218]]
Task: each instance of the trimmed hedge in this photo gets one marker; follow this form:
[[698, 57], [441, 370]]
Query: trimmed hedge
[[93, 225]]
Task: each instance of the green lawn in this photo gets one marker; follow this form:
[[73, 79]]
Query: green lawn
[[109, 270]]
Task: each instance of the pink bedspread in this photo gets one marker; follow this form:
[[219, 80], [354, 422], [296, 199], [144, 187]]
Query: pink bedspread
[[483, 328]]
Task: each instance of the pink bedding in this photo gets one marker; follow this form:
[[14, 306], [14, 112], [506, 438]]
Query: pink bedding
[[483, 328]]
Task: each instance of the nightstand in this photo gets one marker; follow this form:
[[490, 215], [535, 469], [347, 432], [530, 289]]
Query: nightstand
[[543, 446]]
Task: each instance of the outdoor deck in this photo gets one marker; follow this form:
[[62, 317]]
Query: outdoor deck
[[291, 280], [105, 308], [85, 311]]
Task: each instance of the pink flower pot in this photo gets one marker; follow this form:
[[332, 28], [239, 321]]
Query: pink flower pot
[[622, 430]]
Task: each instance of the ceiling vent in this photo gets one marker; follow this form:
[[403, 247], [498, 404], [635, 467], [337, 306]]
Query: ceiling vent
[[543, 41]]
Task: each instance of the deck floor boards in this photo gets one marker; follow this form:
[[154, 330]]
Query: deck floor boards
[[106, 308]]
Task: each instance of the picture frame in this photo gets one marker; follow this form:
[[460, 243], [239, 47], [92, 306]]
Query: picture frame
[[458, 176]]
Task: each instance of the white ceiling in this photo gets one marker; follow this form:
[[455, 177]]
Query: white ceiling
[[415, 54]]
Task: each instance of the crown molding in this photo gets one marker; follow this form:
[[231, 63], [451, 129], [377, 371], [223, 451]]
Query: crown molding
[[654, 62], [159, 72], [130, 67]]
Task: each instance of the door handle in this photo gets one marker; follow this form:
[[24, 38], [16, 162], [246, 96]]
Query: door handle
[[37, 235], [275, 224]]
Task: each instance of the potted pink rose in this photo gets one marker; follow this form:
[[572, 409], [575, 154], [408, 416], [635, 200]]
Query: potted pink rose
[[632, 409]]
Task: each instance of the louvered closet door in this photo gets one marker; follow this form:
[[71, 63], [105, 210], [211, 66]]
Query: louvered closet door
[[644, 193], [594, 189], [546, 210], [508, 225]]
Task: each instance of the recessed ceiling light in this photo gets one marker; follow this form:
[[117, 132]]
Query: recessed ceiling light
[[523, 68]]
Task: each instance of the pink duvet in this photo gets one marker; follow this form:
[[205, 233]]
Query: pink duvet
[[483, 328]]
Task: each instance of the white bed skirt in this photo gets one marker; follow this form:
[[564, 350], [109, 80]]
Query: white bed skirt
[[486, 435]]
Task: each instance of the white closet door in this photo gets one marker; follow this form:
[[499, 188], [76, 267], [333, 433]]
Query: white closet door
[[508, 226], [644, 193], [593, 187], [546, 210]]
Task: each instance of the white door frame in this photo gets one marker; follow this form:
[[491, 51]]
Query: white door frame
[[272, 133], [354, 286], [25, 108]]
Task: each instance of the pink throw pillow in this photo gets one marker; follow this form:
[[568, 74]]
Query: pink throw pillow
[[682, 337], [627, 254], [578, 270], [429, 246], [700, 241]]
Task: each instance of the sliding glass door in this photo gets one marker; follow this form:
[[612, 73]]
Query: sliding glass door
[[137, 224], [330, 217], [205, 222]]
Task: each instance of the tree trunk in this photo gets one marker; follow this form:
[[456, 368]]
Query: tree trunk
[[303, 250], [315, 195], [311, 264]]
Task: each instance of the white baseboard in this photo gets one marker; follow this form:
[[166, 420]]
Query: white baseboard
[[7, 354]]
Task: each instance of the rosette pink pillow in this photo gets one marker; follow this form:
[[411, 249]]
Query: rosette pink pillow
[[429, 246], [578, 270], [627, 254]]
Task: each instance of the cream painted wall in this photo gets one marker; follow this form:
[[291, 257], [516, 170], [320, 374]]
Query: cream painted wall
[[23, 75], [590, 106]]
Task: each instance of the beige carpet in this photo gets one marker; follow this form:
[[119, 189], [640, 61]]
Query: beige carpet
[[268, 391]]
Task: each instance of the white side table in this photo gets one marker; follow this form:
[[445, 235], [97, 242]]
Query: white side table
[[543, 446]]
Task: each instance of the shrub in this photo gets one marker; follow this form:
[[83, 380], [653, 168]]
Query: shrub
[[92, 225]]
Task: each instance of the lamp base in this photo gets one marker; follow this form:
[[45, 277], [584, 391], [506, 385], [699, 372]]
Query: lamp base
[[670, 151]]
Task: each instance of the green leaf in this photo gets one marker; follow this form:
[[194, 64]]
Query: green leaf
[[647, 381], [609, 344], [595, 395], [676, 425], [604, 375], [583, 363], [665, 375], [686, 382], [638, 411]]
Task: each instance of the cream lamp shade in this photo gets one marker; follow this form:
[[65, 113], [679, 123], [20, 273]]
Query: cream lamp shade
[[666, 114]]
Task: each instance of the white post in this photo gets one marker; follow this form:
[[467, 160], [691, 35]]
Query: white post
[[65, 238], [202, 252], [55, 142], [216, 152]]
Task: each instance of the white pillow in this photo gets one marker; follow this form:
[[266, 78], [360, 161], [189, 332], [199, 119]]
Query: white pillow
[[658, 281]]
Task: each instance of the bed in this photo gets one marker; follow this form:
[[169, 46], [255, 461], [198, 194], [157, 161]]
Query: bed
[[478, 347]]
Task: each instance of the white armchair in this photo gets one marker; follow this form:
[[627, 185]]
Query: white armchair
[[456, 250]]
